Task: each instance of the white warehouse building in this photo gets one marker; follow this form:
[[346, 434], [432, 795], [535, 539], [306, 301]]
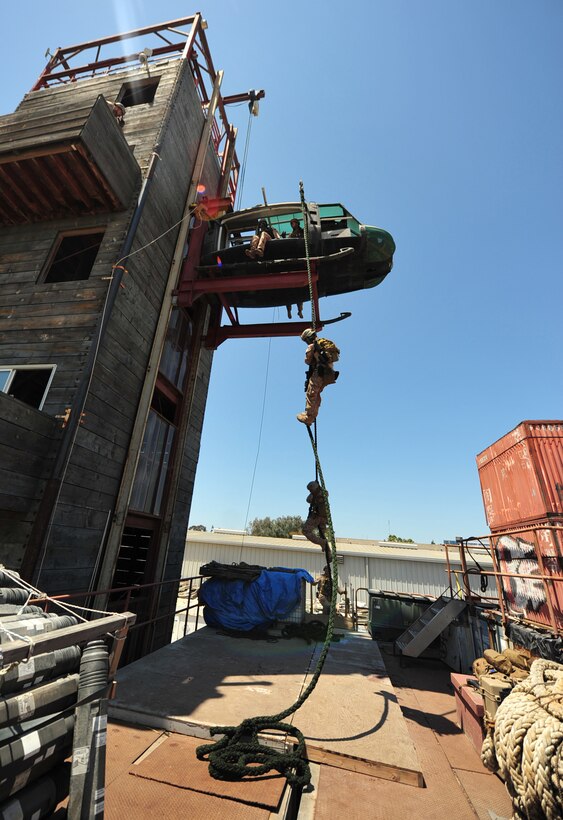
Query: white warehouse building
[[419, 569]]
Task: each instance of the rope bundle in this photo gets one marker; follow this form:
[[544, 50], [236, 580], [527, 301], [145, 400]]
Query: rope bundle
[[525, 743]]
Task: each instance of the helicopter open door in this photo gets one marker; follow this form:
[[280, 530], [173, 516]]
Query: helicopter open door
[[340, 255]]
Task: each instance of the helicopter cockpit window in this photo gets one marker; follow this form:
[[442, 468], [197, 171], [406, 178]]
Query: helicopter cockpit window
[[337, 221]]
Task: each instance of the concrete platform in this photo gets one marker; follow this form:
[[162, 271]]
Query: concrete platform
[[351, 721]]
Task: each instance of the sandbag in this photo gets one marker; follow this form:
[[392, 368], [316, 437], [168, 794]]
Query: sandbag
[[480, 667], [498, 660], [518, 674], [519, 658]]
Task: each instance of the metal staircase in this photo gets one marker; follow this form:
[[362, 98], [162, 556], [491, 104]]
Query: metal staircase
[[429, 625]]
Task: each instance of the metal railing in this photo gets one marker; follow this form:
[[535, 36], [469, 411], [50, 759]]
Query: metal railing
[[147, 601], [550, 585]]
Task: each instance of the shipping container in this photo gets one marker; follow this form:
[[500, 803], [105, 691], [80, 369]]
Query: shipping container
[[521, 475], [532, 551]]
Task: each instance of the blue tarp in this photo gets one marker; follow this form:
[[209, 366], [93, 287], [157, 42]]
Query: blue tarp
[[246, 605]]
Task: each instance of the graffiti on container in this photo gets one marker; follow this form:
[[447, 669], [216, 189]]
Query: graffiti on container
[[519, 556]]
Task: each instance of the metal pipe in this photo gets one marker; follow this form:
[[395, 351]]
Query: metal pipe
[[38, 799], [42, 700], [44, 666], [449, 570], [87, 779], [463, 562]]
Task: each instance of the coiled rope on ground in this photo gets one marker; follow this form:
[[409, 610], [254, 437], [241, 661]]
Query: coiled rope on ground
[[525, 743]]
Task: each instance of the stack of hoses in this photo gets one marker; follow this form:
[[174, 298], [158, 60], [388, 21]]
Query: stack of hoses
[[524, 744]]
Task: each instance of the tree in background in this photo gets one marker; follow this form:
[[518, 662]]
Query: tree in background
[[398, 540], [198, 528], [282, 527]]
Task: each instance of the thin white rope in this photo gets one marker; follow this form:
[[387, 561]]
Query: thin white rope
[[264, 395], [188, 215], [23, 606], [34, 592], [240, 187]]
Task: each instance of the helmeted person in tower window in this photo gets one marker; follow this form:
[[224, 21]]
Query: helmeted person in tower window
[[314, 527], [118, 111], [264, 233], [320, 356]]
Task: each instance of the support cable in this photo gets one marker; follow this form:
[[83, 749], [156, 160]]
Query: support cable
[[266, 377], [240, 186]]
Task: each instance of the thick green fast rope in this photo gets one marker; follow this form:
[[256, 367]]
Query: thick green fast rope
[[239, 753], [307, 257]]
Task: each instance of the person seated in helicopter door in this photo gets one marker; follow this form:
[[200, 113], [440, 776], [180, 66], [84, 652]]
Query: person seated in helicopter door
[[296, 230], [264, 233]]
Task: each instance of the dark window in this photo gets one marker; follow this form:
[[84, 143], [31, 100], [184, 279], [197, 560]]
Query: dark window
[[175, 354], [137, 93], [164, 406], [135, 564], [28, 384], [74, 257], [132, 561], [152, 469]]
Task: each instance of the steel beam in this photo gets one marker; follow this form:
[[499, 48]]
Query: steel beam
[[237, 284]]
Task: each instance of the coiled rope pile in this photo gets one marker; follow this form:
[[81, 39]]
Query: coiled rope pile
[[525, 743]]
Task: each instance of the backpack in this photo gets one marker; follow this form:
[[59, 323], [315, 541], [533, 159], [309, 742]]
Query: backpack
[[329, 349]]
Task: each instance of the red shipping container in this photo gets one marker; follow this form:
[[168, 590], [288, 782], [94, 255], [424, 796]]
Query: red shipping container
[[521, 475], [532, 551]]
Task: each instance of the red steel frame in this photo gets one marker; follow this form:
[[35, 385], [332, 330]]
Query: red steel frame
[[217, 334], [191, 288], [192, 46]]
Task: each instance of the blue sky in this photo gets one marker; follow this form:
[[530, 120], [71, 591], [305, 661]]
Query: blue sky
[[441, 122]]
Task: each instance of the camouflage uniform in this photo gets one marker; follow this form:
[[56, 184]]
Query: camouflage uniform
[[324, 594], [321, 373], [258, 242], [318, 515]]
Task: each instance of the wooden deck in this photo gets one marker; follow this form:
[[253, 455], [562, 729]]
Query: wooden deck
[[154, 770], [351, 721]]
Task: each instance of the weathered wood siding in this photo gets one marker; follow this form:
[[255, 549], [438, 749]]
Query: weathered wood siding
[[27, 441], [54, 323], [74, 161]]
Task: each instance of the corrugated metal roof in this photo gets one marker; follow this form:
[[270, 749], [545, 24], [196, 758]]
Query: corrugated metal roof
[[345, 546]]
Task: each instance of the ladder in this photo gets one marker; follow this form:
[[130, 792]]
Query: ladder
[[429, 625]]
